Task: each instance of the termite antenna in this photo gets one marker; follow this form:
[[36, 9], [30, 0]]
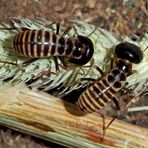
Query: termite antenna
[[92, 32], [145, 49], [6, 62]]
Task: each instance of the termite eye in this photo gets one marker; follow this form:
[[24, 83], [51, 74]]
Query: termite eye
[[129, 51]]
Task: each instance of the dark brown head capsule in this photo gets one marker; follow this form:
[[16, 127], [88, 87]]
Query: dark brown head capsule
[[83, 51], [129, 51]]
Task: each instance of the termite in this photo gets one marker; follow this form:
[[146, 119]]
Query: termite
[[105, 88], [40, 44]]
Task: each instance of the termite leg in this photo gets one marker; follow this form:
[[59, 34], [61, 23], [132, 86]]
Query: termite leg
[[134, 99], [64, 64], [132, 95], [115, 100], [112, 63], [15, 28], [48, 73], [88, 79], [29, 61], [19, 65], [6, 62], [24, 29], [57, 28], [92, 32], [12, 28], [105, 128], [79, 81], [68, 29], [97, 68], [128, 90], [56, 65]]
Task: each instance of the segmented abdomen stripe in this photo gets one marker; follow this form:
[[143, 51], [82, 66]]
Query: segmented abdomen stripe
[[18, 45], [29, 45], [25, 43], [31, 39], [40, 43], [46, 43], [53, 47], [86, 104], [96, 96], [69, 47], [24, 38]]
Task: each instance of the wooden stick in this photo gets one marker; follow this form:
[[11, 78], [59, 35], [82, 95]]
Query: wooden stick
[[53, 119]]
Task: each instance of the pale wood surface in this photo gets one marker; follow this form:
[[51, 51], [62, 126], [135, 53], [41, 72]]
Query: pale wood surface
[[45, 116]]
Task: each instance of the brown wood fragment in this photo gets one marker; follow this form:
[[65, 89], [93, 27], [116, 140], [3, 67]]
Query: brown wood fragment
[[53, 119]]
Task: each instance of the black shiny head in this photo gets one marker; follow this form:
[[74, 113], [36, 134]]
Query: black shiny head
[[83, 51], [129, 51]]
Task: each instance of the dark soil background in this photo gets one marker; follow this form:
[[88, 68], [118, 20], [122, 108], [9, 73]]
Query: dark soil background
[[121, 17]]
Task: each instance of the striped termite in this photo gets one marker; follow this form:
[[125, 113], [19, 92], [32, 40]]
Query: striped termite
[[40, 44], [104, 89]]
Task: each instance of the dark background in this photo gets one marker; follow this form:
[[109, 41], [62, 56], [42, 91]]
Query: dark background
[[121, 17]]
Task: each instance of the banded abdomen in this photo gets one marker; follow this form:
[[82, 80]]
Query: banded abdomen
[[40, 43], [102, 91]]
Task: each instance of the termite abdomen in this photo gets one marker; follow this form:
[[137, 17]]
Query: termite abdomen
[[110, 83], [39, 44], [105, 89]]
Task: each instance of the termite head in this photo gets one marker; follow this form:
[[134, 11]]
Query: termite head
[[83, 51], [129, 52]]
